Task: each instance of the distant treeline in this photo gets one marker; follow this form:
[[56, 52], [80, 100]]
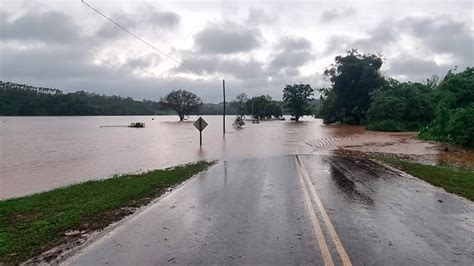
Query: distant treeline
[[25, 100]]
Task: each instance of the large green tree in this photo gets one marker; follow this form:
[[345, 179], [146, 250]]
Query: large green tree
[[297, 99], [353, 77], [183, 102]]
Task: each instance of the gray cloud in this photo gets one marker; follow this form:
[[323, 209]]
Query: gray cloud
[[292, 53], [70, 69], [289, 43], [226, 39], [333, 14], [378, 40], [66, 57], [436, 35], [442, 35], [381, 36], [142, 62], [336, 44], [51, 26], [211, 64], [415, 69], [259, 16], [145, 17], [43, 62]]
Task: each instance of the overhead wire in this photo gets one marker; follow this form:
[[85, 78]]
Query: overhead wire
[[180, 62]]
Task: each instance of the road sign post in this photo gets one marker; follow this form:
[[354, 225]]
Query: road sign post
[[200, 125]]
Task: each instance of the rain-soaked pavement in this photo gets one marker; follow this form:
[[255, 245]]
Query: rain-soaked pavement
[[305, 209]]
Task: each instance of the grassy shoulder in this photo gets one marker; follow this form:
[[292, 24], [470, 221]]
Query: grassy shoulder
[[459, 181], [34, 224]]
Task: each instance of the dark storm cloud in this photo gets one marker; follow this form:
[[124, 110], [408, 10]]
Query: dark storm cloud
[[226, 39], [334, 14], [291, 54], [51, 26]]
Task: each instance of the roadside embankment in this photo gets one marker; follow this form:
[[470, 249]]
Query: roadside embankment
[[34, 224], [454, 179]]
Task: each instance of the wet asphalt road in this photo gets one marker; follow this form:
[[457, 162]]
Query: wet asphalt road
[[309, 209]]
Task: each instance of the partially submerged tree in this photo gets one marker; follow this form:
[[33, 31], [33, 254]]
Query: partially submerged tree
[[239, 103], [239, 122], [297, 99], [183, 102]]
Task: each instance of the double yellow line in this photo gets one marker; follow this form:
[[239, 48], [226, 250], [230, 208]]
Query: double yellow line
[[311, 198]]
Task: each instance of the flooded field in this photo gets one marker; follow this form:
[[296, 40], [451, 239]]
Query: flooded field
[[40, 153]]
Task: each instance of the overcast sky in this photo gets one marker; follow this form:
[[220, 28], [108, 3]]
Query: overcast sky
[[258, 47]]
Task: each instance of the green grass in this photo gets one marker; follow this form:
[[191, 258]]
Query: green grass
[[33, 224], [459, 181]]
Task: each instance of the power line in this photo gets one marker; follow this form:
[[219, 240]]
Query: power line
[[143, 41]]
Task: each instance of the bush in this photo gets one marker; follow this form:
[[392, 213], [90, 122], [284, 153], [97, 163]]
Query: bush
[[239, 122], [400, 107], [387, 125], [461, 126], [454, 121]]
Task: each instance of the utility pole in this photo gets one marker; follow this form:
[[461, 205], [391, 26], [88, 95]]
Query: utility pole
[[223, 118]]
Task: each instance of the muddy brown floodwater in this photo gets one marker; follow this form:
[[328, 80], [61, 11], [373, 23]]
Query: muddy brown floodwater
[[40, 153]]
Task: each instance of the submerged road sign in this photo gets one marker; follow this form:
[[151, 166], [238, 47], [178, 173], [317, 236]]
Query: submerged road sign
[[200, 124]]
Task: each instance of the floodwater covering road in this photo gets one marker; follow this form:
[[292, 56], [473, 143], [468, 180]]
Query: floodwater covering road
[[294, 209], [41, 153]]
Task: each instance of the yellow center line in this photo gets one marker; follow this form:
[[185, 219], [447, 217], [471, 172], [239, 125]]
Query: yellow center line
[[314, 220], [329, 226]]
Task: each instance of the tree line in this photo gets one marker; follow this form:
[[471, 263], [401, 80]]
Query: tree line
[[360, 95], [25, 100]]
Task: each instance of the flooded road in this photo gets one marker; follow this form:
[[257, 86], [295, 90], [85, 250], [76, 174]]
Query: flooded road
[[40, 153], [293, 209]]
